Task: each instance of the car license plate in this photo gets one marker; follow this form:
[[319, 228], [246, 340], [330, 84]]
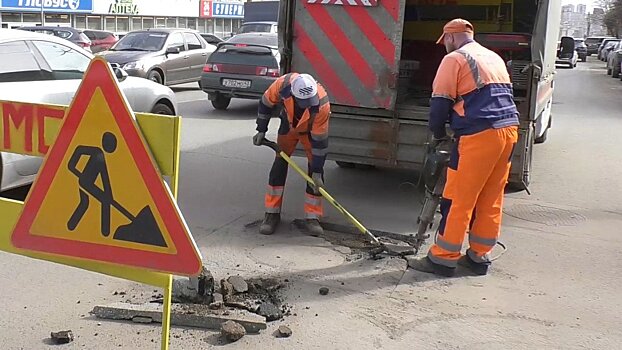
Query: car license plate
[[234, 83]]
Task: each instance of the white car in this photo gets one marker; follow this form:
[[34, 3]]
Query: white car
[[39, 68]]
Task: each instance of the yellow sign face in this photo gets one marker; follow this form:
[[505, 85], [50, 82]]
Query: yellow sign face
[[99, 196], [116, 180]]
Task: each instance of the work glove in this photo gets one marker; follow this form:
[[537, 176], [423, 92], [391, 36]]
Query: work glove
[[258, 138], [319, 182]]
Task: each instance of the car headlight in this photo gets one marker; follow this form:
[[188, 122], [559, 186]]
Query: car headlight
[[134, 65]]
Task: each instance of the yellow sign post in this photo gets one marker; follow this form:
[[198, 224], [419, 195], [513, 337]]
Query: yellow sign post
[[99, 202]]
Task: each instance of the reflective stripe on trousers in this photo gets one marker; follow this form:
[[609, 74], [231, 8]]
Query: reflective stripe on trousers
[[313, 206], [274, 199]]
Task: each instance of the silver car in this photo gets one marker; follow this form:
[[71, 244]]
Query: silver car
[[40, 68], [166, 56]]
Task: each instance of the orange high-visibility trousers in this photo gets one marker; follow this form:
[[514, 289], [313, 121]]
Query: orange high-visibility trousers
[[473, 196], [278, 176]]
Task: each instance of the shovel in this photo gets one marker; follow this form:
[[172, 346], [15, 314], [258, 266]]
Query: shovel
[[143, 228], [324, 194]]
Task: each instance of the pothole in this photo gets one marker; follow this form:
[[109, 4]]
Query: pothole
[[540, 214]]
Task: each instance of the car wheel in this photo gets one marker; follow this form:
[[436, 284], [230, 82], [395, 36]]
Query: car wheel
[[200, 85], [221, 102], [608, 71], [615, 73], [155, 76], [162, 108], [584, 59]]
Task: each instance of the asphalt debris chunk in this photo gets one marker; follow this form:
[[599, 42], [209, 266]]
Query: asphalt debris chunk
[[232, 331], [62, 337]]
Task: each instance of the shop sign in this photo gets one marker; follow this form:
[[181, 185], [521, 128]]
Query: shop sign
[[125, 7], [48, 5], [211, 9]]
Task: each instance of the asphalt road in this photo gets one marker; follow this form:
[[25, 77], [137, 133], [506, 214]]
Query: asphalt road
[[557, 287]]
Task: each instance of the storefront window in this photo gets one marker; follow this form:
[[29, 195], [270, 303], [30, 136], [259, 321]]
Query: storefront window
[[137, 23], [236, 25], [14, 17], [209, 26], [94, 22], [147, 22], [110, 24], [181, 22], [81, 22], [192, 23], [54, 18], [219, 29], [123, 24], [171, 22], [160, 22], [28, 18], [201, 25]]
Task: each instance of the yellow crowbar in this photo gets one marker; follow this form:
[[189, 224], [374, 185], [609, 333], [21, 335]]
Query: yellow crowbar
[[322, 191]]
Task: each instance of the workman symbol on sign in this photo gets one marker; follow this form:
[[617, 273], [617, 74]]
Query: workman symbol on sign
[[142, 228]]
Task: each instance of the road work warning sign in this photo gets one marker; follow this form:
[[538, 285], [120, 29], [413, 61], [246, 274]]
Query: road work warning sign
[[99, 195]]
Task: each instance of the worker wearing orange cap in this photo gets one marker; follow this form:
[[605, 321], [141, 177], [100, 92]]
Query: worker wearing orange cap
[[473, 92]]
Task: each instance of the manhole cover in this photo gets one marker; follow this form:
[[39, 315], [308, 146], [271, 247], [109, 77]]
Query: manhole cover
[[544, 215], [297, 257]]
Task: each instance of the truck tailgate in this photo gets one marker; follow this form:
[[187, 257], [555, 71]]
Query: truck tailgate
[[352, 46]]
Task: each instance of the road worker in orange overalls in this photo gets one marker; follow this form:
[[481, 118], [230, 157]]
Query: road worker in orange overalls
[[472, 90], [304, 118]]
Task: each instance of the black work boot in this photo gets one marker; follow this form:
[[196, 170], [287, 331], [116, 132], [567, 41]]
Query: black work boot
[[424, 264], [269, 224], [480, 269], [314, 227]]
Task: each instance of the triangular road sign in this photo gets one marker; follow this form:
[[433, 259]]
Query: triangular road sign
[[99, 195]]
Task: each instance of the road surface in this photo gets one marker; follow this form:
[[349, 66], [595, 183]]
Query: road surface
[[557, 287]]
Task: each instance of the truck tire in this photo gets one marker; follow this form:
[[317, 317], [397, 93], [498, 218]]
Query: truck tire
[[221, 102], [345, 165], [542, 139], [545, 135]]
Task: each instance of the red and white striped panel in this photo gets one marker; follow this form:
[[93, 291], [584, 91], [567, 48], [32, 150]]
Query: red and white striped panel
[[345, 2], [352, 50]]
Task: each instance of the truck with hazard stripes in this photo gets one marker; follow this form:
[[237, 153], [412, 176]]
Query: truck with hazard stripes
[[377, 59]]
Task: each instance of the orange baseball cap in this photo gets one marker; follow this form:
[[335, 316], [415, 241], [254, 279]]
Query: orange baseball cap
[[457, 25]]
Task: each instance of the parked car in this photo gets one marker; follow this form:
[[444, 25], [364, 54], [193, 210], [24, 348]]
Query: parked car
[[593, 43], [602, 47], [258, 27], [566, 53], [40, 68], [614, 59], [165, 56], [243, 67], [581, 48], [211, 38], [101, 40], [607, 50], [76, 36]]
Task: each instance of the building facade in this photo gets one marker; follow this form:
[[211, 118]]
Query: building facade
[[119, 16], [574, 21]]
